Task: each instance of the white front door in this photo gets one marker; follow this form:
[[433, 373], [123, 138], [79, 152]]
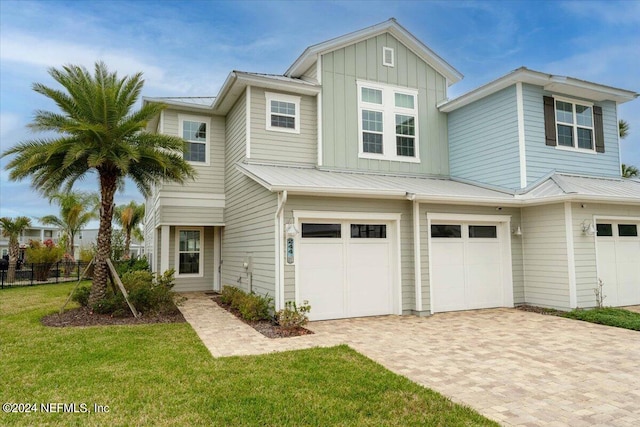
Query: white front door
[[470, 266], [618, 246], [346, 268]]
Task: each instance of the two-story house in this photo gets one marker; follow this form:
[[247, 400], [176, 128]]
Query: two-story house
[[351, 181]]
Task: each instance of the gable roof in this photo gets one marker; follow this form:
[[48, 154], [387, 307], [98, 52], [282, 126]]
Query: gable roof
[[309, 56], [550, 82]]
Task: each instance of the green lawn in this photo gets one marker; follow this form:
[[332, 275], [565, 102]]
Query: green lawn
[[609, 316], [163, 375]]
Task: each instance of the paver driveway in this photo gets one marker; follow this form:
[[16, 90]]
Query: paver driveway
[[515, 367]]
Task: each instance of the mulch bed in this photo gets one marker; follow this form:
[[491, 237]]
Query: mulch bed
[[265, 327], [82, 316], [540, 310]]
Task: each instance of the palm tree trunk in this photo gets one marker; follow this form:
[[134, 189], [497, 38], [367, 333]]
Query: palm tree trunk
[[101, 272], [14, 248], [127, 243]]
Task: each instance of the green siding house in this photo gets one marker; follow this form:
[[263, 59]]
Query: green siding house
[[353, 182]]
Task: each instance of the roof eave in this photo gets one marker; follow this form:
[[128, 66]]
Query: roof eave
[[550, 82]]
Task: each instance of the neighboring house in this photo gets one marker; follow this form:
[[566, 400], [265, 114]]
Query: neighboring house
[[88, 237], [352, 182], [35, 232]]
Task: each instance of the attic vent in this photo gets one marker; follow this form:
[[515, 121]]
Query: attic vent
[[387, 56]]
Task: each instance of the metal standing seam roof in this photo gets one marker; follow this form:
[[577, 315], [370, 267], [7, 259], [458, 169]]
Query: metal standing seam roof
[[565, 185], [558, 187], [311, 180]]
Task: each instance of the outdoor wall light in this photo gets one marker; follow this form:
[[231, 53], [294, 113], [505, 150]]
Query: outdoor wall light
[[517, 231], [587, 228], [290, 230]]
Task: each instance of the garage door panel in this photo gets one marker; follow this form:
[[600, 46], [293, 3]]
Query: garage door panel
[[449, 294], [619, 262], [369, 277], [321, 279]]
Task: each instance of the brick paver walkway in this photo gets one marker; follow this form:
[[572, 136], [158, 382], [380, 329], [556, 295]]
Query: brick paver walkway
[[515, 367]]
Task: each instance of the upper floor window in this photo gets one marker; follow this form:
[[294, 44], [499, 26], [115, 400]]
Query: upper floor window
[[195, 131], [575, 125], [283, 112], [388, 122], [387, 57]]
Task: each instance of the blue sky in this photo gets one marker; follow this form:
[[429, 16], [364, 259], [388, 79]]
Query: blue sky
[[187, 48]]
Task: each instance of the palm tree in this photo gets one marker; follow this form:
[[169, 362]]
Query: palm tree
[[98, 133], [623, 128], [12, 229], [76, 210], [129, 218], [630, 171]]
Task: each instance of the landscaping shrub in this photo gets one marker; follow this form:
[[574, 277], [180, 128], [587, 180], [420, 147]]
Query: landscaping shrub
[[133, 264], [148, 294], [81, 295], [292, 316], [252, 307], [43, 255]]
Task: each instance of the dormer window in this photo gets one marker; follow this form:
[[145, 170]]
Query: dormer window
[[283, 112]]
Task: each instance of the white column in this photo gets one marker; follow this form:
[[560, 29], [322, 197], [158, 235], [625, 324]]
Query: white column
[[164, 248]]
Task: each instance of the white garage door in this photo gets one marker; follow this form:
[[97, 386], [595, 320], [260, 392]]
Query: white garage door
[[619, 261], [468, 267], [345, 268]]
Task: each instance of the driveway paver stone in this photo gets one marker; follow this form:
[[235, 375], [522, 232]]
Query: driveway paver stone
[[516, 367]]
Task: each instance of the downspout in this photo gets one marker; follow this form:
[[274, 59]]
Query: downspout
[[279, 260]]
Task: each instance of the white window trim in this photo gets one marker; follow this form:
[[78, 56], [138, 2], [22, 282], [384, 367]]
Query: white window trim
[[271, 96], [575, 126], [177, 252], [386, 49], [206, 120], [389, 111]]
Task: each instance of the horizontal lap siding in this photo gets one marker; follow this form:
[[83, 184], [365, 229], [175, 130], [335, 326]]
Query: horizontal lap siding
[[363, 61], [283, 147], [209, 179], [545, 256], [584, 246], [191, 215], [365, 206], [542, 159], [186, 284], [483, 140], [249, 217], [516, 246]]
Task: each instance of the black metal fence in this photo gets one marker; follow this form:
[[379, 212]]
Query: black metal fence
[[34, 274]]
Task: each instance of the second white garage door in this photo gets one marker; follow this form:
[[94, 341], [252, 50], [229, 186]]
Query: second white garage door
[[346, 268], [469, 266]]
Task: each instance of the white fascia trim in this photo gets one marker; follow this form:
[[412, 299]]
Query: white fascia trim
[[571, 256], [177, 252], [247, 124], [615, 218], [339, 215], [521, 135], [319, 110], [417, 260], [191, 224]]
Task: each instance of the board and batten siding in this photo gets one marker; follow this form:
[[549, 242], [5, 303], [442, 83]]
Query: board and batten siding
[[483, 140], [542, 159], [517, 267], [546, 269], [363, 61], [187, 284], [283, 147], [364, 206], [209, 179], [585, 246], [249, 217]]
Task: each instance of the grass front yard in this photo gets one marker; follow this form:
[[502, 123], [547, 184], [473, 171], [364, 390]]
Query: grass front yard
[[609, 316], [161, 374]]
